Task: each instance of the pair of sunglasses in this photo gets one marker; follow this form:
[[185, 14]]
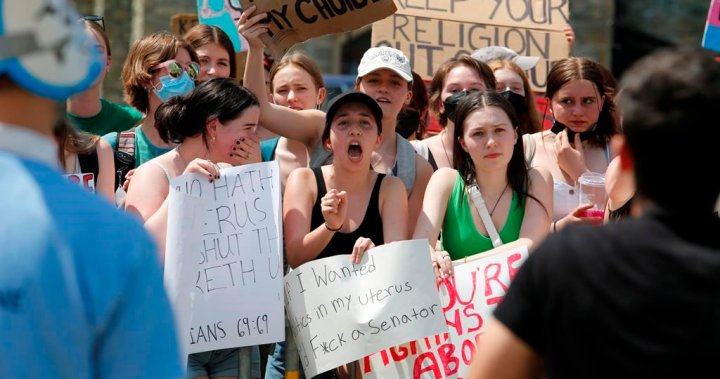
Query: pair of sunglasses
[[175, 70], [100, 20]]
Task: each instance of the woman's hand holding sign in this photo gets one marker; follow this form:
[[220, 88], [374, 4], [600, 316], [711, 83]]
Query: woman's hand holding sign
[[252, 27]]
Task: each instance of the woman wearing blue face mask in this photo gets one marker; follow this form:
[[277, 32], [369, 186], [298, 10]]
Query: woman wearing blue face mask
[[159, 67]]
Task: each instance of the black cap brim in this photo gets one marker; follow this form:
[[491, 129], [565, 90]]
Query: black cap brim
[[354, 97]]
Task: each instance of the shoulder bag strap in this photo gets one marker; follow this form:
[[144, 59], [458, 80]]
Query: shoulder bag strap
[[474, 194]]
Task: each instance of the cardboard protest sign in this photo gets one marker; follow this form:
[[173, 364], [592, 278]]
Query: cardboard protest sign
[[340, 312], [180, 23], [223, 14], [293, 21], [223, 261], [534, 14], [430, 37], [711, 37], [86, 180], [429, 42], [468, 299]]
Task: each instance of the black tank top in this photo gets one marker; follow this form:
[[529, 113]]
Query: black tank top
[[370, 227]]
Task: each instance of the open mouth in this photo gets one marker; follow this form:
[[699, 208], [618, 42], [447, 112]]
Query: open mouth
[[355, 152]]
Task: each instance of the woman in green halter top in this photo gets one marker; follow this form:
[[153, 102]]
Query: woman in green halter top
[[487, 152]]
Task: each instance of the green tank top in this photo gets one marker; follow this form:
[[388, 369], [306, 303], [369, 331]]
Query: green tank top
[[460, 238]]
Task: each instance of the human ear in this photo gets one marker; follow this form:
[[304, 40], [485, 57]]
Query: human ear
[[322, 92]]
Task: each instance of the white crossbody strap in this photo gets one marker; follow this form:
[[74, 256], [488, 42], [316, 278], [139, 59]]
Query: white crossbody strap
[[477, 198]]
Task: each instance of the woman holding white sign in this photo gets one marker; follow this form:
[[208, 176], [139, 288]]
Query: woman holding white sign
[[208, 124], [345, 207], [489, 164]]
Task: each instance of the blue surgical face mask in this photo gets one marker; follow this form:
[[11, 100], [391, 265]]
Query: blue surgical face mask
[[171, 87]]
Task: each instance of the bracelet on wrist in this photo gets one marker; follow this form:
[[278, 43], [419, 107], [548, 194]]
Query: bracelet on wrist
[[331, 229]]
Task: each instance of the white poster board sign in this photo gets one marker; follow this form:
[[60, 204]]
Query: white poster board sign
[[223, 261], [468, 300], [86, 180], [340, 312]]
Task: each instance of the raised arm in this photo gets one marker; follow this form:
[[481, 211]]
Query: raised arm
[[305, 126]]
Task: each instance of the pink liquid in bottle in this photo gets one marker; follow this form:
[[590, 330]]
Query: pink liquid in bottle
[[593, 213]]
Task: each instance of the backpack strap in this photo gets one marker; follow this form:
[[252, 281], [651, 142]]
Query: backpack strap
[[126, 142], [124, 155], [89, 162], [405, 162]]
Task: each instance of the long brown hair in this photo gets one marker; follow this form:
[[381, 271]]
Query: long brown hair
[[573, 68], [203, 34], [517, 169], [73, 140]]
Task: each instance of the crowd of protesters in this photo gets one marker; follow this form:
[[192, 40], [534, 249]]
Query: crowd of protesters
[[81, 291]]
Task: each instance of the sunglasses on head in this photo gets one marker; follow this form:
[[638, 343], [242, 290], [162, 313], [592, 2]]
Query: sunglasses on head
[[175, 70], [100, 20]]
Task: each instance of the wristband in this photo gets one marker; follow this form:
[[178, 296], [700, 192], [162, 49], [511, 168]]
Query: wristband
[[333, 230]]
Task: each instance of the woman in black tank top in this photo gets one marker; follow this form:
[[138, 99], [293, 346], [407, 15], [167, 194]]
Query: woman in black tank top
[[344, 207]]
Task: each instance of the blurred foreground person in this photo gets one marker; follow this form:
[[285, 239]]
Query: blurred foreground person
[[81, 293], [638, 298]]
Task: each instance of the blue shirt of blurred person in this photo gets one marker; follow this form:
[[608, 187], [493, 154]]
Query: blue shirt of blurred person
[[81, 292]]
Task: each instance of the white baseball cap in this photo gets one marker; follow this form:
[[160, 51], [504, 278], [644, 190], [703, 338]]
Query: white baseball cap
[[490, 53], [376, 58]]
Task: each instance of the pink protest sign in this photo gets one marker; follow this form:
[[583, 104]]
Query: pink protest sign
[[711, 37], [468, 300]]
